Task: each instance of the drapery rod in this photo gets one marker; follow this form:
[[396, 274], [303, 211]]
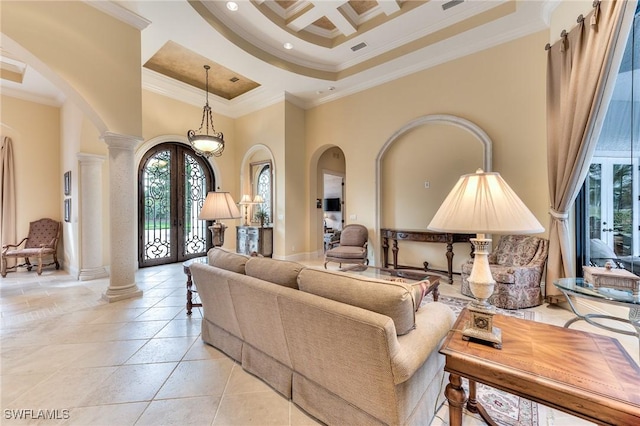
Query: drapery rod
[[580, 20]]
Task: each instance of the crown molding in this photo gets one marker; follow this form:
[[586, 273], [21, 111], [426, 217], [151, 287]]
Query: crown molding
[[120, 13], [32, 97]]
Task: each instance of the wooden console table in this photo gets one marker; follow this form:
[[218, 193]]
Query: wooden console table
[[421, 236], [583, 374]]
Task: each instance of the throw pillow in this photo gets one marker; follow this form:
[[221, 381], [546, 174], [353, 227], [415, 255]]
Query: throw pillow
[[419, 292]]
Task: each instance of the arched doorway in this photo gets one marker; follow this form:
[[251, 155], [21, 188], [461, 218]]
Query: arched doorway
[[172, 185]]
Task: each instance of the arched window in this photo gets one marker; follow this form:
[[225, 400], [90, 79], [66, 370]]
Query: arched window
[[262, 185]]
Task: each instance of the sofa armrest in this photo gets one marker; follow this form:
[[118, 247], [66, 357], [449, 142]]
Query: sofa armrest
[[433, 322]]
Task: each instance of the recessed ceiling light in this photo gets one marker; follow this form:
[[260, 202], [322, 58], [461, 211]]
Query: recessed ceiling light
[[288, 46], [232, 6]]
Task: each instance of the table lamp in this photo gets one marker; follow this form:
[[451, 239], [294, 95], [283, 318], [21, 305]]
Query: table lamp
[[218, 205], [245, 201], [483, 203]]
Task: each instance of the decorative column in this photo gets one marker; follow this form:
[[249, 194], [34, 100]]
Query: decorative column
[[122, 223], [90, 185]]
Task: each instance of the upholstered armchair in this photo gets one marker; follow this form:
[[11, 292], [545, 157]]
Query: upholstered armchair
[[352, 247], [42, 242], [517, 264]]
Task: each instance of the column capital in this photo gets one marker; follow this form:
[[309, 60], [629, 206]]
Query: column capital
[[90, 158], [119, 141]]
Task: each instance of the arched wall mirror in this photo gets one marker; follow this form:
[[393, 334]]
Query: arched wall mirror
[[416, 169]]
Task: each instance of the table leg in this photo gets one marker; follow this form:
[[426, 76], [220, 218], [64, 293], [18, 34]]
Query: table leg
[[450, 262], [395, 249], [385, 252], [475, 407], [189, 294], [456, 398]]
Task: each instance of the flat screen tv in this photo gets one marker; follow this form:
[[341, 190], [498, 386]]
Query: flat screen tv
[[331, 205]]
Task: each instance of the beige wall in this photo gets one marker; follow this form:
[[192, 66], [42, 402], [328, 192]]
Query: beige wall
[[98, 57], [501, 90], [264, 128], [298, 204], [35, 131]]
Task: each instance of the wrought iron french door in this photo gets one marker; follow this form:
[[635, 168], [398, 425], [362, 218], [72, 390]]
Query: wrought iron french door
[[172, 186]]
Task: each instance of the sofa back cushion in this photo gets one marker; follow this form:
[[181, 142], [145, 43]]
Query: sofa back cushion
[[390, 298], [228, 260], [280, 272]]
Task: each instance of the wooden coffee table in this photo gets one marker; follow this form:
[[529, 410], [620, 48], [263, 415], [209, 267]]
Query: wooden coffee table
[[586, 375]]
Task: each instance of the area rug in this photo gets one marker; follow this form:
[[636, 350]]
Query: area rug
[[504, 408]]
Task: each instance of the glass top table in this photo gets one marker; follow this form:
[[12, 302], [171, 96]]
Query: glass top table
[[573, 288], [409, 276]]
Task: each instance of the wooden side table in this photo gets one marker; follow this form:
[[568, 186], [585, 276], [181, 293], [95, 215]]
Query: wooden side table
[[583, 374], [190, 290]]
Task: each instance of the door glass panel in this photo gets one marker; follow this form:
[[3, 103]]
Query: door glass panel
[[195, 190], [157, 206], [622, 209], [595, 194], [611, 189]]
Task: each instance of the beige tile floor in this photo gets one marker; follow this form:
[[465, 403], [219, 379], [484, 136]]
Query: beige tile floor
[[141, 361]]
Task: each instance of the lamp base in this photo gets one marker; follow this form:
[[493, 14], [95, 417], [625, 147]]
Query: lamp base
[[480, 326], [217, 233]]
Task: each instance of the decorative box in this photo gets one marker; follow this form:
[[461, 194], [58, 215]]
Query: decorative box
[[616, 278]]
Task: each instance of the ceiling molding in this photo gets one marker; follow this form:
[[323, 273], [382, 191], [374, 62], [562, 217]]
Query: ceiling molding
[[120, 13], [32, 97]]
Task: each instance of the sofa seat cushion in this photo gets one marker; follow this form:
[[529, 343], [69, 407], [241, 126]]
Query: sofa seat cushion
[[348, 252], [390, 298], [228, 260], [280, 272]]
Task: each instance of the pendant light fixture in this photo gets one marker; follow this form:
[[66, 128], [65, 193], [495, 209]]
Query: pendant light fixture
[[205, 144]]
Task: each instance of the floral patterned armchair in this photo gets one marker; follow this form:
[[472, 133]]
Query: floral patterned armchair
[[42, 241], [517, 264]]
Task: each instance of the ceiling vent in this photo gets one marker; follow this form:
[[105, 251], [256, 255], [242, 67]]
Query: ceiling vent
[[234, 79], [450, 4], [359, 46]]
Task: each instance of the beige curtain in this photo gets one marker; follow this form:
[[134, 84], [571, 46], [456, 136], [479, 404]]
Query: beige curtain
[[578, 66], [7, 196]]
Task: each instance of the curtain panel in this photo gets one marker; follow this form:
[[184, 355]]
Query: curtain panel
[[8, 231], [580, 76]]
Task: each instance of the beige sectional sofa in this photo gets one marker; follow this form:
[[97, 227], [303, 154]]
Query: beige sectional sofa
[[344, 348]]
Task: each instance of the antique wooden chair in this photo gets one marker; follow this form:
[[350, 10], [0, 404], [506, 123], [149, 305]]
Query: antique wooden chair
[[41, 242], [352, 247]]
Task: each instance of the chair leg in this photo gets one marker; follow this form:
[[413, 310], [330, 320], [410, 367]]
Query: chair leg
[[3, 267], [55, 259], [40, 265], [29, 265]]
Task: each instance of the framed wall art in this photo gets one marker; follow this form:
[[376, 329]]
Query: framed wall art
[[67, 183], [67, 210]]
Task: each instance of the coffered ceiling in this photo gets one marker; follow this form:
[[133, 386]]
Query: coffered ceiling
[[307, 51]]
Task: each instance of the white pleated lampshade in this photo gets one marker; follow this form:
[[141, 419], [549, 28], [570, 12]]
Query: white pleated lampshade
[[219, 205], [483, 203], [246, 199]]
